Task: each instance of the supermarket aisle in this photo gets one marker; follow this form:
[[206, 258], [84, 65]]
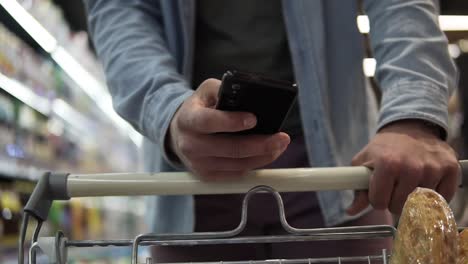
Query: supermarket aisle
[[56, 114], [52, 119]]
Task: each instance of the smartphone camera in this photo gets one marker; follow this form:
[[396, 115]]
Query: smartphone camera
[[234, 95]]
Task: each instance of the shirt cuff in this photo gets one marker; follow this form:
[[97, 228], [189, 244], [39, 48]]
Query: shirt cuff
[[415, 100], [159, 119]]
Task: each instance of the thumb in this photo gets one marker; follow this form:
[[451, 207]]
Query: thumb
[[361, 198], [360, 202], [208, 91], [360, 159]]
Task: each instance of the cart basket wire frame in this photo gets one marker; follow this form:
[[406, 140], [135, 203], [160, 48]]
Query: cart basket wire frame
[[65, 186]]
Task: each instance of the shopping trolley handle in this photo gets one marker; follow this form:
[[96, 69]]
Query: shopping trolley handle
[[50, 187], [463, 173], [65, 186]]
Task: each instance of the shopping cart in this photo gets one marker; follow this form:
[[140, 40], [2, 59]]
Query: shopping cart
[[65, 186]]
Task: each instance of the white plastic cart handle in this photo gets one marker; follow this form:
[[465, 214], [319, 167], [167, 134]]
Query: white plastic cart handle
[[65, 186], [180, 183]]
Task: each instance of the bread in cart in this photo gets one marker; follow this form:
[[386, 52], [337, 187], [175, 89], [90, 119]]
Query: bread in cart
[[427, 232], [463, 247]]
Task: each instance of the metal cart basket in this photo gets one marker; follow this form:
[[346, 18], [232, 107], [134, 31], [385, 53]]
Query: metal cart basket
[[65, 186]]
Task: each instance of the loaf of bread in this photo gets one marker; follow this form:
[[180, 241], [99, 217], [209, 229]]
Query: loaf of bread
[[427, 231], [463, 247]]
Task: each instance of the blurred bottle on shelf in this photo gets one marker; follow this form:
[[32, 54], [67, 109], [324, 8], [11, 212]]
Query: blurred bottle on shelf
[[34, 142], [6, 125], [10, 216]]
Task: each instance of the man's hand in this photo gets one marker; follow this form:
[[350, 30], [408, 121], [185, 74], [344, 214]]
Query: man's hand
[[405, 155], [195, 139]]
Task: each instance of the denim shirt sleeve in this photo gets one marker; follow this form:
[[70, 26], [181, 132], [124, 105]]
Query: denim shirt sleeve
[[141, 73], [414, 69]]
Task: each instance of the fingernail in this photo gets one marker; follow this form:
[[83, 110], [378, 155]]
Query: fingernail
[[250, 121]]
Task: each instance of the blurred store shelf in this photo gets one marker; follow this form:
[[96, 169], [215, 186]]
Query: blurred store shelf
[[13, 170], [16, 89], [54, 113], [33, 33], [48, 107]]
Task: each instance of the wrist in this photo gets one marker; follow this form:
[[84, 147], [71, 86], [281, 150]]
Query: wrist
[[415, 127], [170, 143]]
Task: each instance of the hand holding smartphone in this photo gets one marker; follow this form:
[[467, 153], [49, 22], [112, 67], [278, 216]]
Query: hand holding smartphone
[[268, 99], [198, 138]]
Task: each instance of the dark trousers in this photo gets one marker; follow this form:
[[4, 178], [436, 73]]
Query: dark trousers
[[222, 212]]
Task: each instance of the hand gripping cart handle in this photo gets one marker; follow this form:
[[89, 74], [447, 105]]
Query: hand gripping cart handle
[[65, 186]]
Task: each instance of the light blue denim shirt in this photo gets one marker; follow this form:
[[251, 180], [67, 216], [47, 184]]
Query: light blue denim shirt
[[146, 47]]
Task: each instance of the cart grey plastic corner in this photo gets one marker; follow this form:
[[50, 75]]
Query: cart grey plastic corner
[[53, 187]]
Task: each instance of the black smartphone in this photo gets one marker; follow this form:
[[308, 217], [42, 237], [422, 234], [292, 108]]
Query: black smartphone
[[268, 99]]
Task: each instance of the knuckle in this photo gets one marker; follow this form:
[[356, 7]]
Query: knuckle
[[391, 162], [451, 167], [431, 168], [390, 166], [415, 169]]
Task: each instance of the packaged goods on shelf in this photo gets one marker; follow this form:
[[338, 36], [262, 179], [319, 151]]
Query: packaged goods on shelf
[[51, 17], [49, 142], [72, 135], [10, 215]]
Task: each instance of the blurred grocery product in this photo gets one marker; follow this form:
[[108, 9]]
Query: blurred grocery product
[[49, 122]]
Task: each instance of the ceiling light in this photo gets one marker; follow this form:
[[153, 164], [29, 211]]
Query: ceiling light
[[30, 25], [369, 65]]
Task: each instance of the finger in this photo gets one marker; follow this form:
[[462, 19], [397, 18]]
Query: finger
[[360, 159], [361, 198], [360, 202], [206, 120], [447, 188], [432, 176], [208, 91], [382, 182], [399, 196], [233, 146], [411, 176], [448, 184], [232, 164]]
